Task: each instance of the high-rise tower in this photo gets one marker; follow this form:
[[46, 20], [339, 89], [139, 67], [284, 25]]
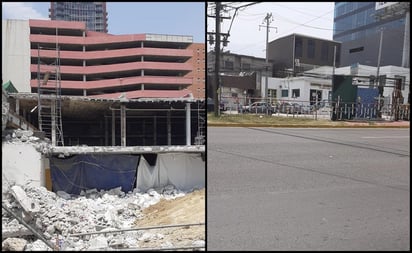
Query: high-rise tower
[[94, 14]]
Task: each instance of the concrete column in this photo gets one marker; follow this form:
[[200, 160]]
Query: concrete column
[[123, 125], [188, 130], [144, 131], [17, 106], [113, 128], [53, 122], [169, 129], [142, 72], [84, 92], [142, 88], [155, 130], [106, 131]]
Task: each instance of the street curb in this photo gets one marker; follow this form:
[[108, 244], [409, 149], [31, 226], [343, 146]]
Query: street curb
[[301, 126]]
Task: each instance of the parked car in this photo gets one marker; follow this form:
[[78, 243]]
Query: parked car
[[211, 105], [259, 107]]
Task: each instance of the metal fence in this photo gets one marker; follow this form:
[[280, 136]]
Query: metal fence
[[319, 109]]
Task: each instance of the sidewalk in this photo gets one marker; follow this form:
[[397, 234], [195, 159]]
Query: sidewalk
[[384, 123]]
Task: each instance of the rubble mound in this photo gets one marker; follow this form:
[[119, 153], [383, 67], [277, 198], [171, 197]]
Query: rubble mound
[[189, 209], [62, 217]]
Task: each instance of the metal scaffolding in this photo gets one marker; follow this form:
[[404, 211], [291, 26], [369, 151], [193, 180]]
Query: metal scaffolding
[[201, 122], [49, 96]]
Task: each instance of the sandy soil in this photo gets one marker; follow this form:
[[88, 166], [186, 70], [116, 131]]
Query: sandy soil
[[183, 210]]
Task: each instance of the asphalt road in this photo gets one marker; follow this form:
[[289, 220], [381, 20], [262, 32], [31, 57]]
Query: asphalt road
[[308, 189]]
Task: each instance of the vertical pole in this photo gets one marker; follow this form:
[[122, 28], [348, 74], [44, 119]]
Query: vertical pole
[[379, 58], [113, 128], [334, 60], [169, 129], [293, 54], [267, 56], [53, 122], [188, 130], [123, 124], [106, 131], [217, 60], [154, 130], [406, 41]]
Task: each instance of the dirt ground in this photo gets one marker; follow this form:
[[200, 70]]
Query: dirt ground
[[183, 210]]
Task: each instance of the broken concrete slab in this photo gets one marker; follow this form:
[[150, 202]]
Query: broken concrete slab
[[13, 244], [15, 232], [27, 204]]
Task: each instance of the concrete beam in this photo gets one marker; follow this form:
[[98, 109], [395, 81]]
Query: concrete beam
[[14, 232], [16, 121], [127, 150]]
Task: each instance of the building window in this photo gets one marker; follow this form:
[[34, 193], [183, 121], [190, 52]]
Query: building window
[[311, 49], [285, 93], [272, 93], [245, 66], [296, 93], [298, 48], [354, 50], [325, 51], [229, 65]]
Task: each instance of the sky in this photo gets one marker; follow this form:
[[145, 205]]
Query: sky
[[172, 18], [248, 31]]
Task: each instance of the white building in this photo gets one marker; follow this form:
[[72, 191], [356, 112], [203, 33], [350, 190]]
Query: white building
[[303, 89]]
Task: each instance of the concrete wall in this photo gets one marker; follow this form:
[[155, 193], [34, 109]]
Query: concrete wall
[[305, 84], [15, 48], [22, 163]]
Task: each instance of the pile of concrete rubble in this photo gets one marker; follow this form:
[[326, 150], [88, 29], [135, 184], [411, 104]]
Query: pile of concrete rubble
[[59, 216], [41, 144]]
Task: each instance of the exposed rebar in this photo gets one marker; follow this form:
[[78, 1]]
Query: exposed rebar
[[135, 229]]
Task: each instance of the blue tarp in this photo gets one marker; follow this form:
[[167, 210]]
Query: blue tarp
[[87, 171]]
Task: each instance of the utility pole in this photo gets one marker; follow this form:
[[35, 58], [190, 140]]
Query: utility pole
[[379, 58], [217, 60], [406, 41], [216, 87], [267, 19]]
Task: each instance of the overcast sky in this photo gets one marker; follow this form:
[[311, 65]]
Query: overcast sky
[[246, 37], [173, 18]]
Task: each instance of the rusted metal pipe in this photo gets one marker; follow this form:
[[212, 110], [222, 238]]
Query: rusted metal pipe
[[135, 229], [37, 234]]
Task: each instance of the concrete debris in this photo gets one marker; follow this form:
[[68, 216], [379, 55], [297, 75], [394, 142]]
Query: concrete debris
[[99, 242], [5, 107], [43, 145], [37, 245], [63, 194], [13, 244], [27, 204], [199, 243], [58, 216]]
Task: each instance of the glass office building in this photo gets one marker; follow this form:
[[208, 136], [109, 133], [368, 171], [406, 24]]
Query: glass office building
[[94, 14], [357, 26]]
